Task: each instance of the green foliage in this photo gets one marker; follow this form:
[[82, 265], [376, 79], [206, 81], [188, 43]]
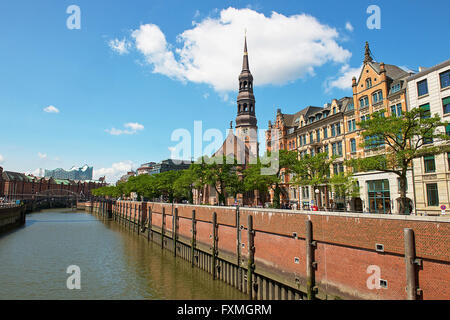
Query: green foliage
[[312, 170], [402, 138]]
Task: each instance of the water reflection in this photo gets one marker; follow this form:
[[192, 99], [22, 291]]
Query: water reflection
[[114, 263]]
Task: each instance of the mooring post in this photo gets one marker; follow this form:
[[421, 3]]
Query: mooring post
[[150, 231], [310, 264], [238, 249], [163, 224], [194, 236], [412, 290], [139, 218], [175, 231], [251, 256], [214, 245]]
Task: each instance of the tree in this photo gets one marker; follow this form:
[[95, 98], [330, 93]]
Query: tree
[[313, 171], [402, 139], [164, 184], [255, 180], [285, 159], [184, 185], [221, 173], [344, 185]]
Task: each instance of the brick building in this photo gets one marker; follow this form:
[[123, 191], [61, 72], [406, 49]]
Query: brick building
[[332, 129], [20, 186]]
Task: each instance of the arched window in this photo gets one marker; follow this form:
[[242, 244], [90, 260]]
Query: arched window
[[240, 85], [239, 108], [245, 84], [250, 84], [245, 107], [368, 83], [251, 108]]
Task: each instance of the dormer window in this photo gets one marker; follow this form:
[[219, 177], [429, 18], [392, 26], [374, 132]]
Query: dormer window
[[368, 83], [334, 110], [395, 88]]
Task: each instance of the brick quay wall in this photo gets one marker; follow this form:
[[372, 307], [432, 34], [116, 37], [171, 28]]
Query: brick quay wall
[[300, 254]]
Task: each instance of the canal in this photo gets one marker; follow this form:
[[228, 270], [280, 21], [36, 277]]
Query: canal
[[115, 263]]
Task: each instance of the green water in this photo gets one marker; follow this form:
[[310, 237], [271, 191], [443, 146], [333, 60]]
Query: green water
[[114, 263]]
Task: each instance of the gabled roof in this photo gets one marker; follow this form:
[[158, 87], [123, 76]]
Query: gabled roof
[[289, 119], [393, 72], [240, 151]]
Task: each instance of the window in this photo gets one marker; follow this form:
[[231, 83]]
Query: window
[[335, 169], [426, 113], [430, 165], [432, 194], [364, 118], [325, 149], [350, 106], [364, 102], [312, 152], [447, 129], [351, 125], [422, 87], [334, 149], [445, 79], [311, 138], [338, 128], [339, 145], [448, 160], [368, 83], [325, 132], [353, 145], [446, 105], [333, 130], [318, 135], [334, 110], [305, 192], [395, 88], [396, 110], [377, 97]]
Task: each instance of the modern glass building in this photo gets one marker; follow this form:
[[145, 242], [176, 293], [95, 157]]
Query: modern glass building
[[82, 173]]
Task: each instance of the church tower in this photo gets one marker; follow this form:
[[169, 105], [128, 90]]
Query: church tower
[[246, 124]]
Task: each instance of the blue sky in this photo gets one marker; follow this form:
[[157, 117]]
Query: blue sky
[[98, 86]]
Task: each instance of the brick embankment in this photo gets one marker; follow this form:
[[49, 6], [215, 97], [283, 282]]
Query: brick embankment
[[346, 256]]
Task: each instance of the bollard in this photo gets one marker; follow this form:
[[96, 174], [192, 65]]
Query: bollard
[[238, 250], [139, 219], [150, 231], [214, 246], [174, 231], [194, 236], [410, 260], [163, 224], [310, 276], [251, 257]]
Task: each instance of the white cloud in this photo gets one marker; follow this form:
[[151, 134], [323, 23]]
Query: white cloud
[[407, 69], [119, 46], [344, 82], [349, 26], [2, 159], [51, 109], [131, 128], [281, 48], [114, 172], [42, 155]]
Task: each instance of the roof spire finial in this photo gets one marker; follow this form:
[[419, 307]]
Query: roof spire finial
[[367, 54], [245, 62]]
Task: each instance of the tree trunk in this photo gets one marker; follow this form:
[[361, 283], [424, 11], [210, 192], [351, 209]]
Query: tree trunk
[[276, 196], [403, 199]]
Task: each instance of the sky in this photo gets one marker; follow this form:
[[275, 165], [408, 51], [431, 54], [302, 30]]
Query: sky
[[110, 86]]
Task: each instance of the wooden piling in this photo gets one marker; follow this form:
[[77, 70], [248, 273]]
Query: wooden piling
[[175, 231], [310, 276], [193, 241], [251, 257], [411, 262], [163, 225]]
